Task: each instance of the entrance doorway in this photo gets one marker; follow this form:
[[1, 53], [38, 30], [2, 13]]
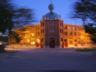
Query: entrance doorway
[[52, 43], [65, 43]]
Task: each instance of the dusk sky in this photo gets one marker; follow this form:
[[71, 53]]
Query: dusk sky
[[65, 8]]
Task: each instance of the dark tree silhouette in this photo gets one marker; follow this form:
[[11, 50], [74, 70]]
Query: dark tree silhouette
[[15, 36], [86, 11], [10, 16], [6, 14], [23, 16]]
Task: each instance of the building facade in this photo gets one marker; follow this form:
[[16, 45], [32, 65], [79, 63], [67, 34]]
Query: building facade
[[76, 36], [51, 30], [52, 33], [29, 35]]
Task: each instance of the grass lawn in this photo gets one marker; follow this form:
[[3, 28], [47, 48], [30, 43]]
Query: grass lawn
[[86, 50]]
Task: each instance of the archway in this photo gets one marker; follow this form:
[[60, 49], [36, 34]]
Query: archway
[[52, 43]]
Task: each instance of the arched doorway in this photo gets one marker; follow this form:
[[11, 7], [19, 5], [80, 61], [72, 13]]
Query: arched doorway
[[52, 43], [65, 43]]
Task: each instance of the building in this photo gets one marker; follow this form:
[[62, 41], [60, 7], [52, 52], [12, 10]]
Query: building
[[75, 36], [52, 33], [51, 30], [30, 35]]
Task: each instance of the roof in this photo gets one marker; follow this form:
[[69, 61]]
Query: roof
[[51, 16]]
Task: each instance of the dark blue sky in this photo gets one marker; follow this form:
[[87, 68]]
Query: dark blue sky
[[62, 7]]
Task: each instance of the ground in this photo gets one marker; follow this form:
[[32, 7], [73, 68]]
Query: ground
[[48, 60]]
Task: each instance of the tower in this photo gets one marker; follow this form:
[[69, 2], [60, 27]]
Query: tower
[[51, 30]]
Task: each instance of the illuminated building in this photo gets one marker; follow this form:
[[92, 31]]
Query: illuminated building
[[51, 30], [30, 35], [75, 36], [52, 33]]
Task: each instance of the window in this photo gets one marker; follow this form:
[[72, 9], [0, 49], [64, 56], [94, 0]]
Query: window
[[51, 30], [65, 33], [61, 24], [42, 31], [52, 24], [38, 33], [71, 33], [70, 28], [75, 40], [65, 40], [42, 40], [79, 34], [71, 42], [62, 39], [75, 28], [75, 33], [42, 24], [78, 28], [65, 27], [38, 28], [61, 30], [22, 29], [79, 42]]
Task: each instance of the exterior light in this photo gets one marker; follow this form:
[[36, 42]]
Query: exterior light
[[33, 34], [82, 37], [38, 40], [28, 40], [32, 43], [1, 43]]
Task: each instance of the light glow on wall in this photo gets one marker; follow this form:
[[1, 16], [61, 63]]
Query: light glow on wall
[[1, 43], [33, 43], [38, 40], [28, 40], [32, 34]]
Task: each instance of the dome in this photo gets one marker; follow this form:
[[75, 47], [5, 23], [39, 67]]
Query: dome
[[51, 7], [51, 16]]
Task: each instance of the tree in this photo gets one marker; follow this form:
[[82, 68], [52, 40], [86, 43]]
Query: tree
[[23, 16], [15, 36], [6, 13], [86, 11], [11, 17]]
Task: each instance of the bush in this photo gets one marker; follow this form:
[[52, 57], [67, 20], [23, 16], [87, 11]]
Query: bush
[[2, 48]]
